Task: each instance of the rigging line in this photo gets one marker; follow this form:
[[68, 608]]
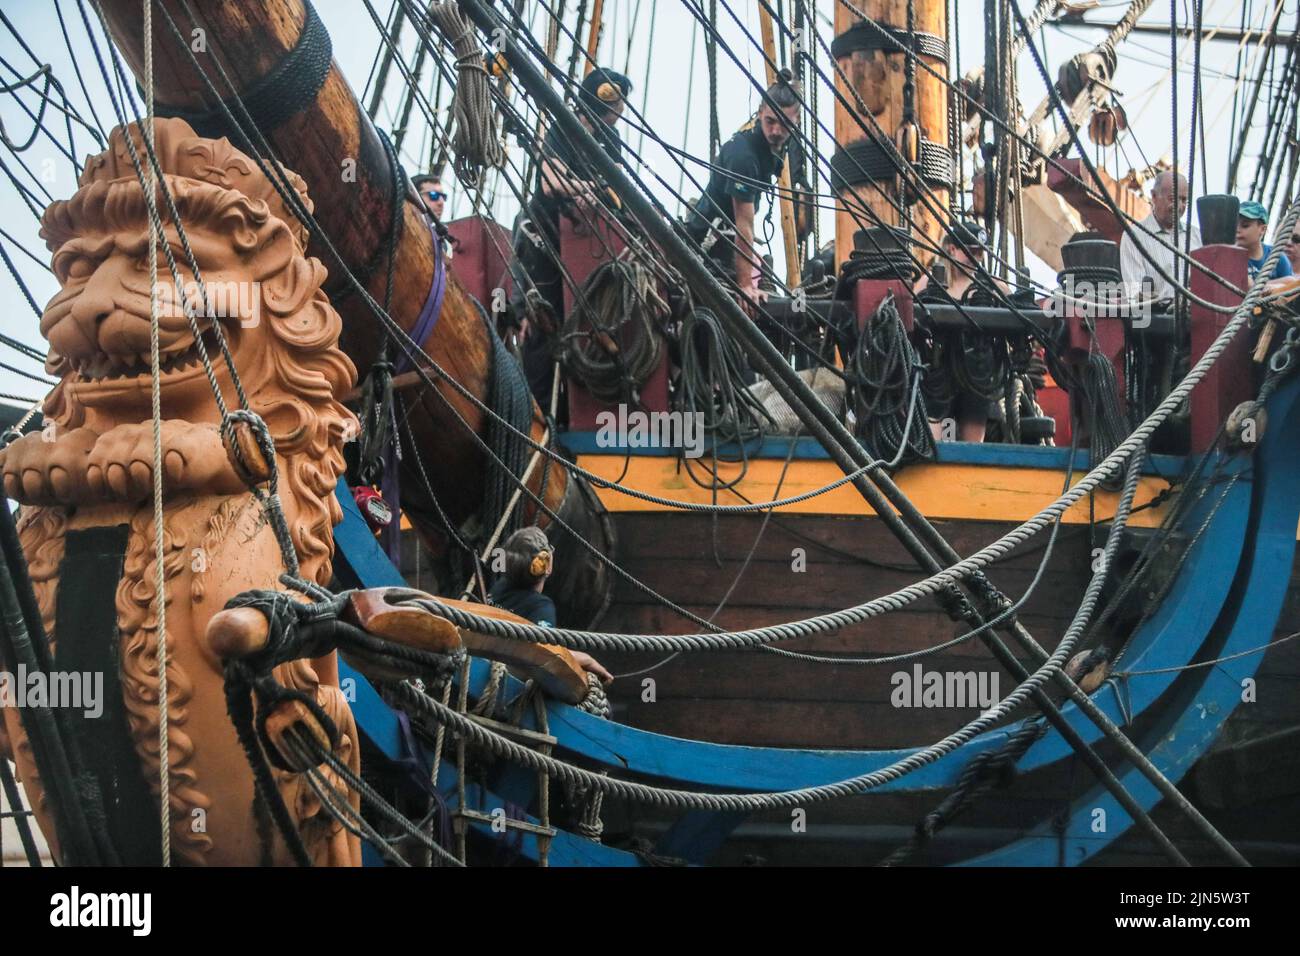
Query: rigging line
[[1262, 648], [155, 391], [25, 251], [988, 625], [22, 164], [30, 199], [98, 132], [63, 107]]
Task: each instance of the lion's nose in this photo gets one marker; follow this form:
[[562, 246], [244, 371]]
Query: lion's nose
[[92, 307]]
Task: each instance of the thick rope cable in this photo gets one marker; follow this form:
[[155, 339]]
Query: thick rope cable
[[155, 388], [754, 802]]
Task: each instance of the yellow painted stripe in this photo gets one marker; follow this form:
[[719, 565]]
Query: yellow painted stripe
[[949, 490]]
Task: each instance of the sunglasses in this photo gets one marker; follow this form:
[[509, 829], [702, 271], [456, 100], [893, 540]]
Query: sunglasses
[[434, 196], [1295, 241]]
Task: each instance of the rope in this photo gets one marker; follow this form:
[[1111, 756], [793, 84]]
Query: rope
[[155, 386], [712, 383], [884, 381], [476, 141], [610, 340]]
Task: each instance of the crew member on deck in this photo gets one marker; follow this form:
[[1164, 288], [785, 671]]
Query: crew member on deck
[[1168, 206], [431, 191], [566, 186], [1252, 223], [530, 560], [722, 221], [1293, 249], [964, 248]]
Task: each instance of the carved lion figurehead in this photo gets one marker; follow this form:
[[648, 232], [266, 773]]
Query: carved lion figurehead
[[259, 285]]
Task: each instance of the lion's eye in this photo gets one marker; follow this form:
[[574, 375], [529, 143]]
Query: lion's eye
[[80, 268]]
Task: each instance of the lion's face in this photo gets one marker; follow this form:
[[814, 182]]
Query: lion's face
[[98, 324], [260, 289]]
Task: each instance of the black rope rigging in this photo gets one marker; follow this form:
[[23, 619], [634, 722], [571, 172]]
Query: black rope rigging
[[884, 378], [610, 340]]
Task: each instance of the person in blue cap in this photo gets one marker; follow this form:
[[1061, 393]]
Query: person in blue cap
[[1252, 223], [567, 185]]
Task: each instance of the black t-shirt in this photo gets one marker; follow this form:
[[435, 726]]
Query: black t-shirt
[[558, 145], [745, 161], [525, 602]]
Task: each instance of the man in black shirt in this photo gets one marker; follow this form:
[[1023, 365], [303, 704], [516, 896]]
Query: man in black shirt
[[747, 165], [566, 186]]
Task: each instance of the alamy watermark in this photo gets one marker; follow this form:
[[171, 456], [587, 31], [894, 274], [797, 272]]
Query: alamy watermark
[[947, 689], [235, 299], [638, 429], [74, 690], [1102, 299]]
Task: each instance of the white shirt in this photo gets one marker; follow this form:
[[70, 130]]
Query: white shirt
[[1134, 266]]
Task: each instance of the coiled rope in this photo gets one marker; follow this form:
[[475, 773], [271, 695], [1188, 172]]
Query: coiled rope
[[476, 141], [610, 340]]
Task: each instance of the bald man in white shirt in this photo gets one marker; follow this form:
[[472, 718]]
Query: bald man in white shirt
[[1168, 205]]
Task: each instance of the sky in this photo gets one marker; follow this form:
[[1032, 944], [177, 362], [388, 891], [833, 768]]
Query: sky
[[656, 42]]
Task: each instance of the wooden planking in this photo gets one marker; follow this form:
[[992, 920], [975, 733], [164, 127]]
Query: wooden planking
[[944, 490], [758, 698]]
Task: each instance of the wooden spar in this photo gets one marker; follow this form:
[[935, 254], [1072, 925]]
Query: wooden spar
[[332, 144], [593, 37], [787, 204], [876, 77]]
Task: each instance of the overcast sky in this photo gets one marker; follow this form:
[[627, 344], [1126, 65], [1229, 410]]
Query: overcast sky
[[640, 35]]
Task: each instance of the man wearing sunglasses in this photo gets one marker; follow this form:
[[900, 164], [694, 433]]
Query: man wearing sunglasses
[[432, 193]]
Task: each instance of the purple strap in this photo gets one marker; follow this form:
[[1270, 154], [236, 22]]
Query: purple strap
[[429, 315], [391, 487]]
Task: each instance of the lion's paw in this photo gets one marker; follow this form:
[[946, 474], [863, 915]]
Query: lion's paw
[[40, 470], [120, 465]]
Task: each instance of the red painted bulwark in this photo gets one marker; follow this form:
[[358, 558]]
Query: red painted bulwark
[[581, 251], [479, 263], [869, 293], [1230, 381]]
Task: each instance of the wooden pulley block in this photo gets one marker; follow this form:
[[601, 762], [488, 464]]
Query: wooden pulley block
[[908, 141], [245, 454], [280, 726]]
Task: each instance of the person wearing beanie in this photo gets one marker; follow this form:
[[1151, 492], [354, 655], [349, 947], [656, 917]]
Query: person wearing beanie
[[566, 185], [1252, 223]]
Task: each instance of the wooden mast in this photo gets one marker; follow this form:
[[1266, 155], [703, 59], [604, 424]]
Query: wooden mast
[[876, 77], [792, 264], [332, 144]]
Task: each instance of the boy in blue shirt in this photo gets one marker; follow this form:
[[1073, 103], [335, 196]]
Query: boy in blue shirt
[[1252, 222]]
